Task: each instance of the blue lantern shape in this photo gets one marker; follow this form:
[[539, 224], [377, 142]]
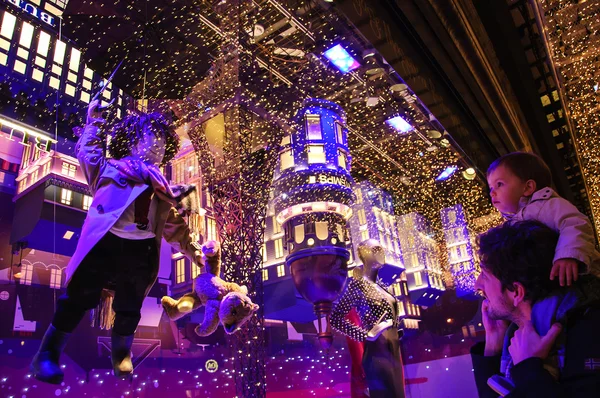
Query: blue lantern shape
[[312, 199]]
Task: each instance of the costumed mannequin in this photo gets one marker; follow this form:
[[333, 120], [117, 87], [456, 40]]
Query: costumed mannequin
[[224, 301], [378, 312], [132, 209]]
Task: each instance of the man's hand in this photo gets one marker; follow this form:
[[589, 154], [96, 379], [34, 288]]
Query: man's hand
[[567, 270], [378, 329], [526, 343], [494, 331]]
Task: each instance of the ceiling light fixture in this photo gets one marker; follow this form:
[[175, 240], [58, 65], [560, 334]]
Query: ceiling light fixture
[[341, 58], [447, 173], [399, 124], [469, 174]]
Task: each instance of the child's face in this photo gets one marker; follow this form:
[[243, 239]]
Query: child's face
[[506, 189], [149, 148]]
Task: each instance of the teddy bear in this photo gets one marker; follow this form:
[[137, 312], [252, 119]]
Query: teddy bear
[[224, 301]]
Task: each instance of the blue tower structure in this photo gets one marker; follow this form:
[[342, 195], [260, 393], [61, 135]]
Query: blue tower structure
[[312, 200]]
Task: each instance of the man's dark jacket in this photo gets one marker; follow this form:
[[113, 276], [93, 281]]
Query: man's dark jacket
[[580, 376]]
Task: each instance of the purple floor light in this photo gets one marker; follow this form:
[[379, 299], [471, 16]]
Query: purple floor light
[[399, 124], [341, 58]]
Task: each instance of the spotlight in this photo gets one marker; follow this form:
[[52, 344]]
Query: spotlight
[[399, 124], [469, 173], [368, 53], [434, 134], [372, 101], [256, 31], [399, 88], [373, 63], [374, 71]]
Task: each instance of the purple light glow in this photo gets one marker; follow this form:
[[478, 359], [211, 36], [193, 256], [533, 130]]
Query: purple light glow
[[341, 58], [447, 173]]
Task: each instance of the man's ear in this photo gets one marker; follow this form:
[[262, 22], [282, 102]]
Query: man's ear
[[518, 293], [530, 188]]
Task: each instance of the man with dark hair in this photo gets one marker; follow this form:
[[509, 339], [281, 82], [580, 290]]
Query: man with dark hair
[[541, 340]]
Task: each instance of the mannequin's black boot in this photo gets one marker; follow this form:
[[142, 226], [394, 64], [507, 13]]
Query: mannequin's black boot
[[45, 366], [121, 354]]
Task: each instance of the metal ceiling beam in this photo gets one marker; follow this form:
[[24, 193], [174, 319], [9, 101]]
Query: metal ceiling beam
[[292, 19]]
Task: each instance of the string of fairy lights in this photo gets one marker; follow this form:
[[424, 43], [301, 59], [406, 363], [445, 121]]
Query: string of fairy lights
[[367, 98], [423, 153], [366, 95], [415, 187], [573, 32]]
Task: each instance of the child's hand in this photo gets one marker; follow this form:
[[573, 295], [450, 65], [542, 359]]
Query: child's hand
[[566, 269]]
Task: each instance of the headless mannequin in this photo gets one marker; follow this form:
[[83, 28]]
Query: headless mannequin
[[372, 255]]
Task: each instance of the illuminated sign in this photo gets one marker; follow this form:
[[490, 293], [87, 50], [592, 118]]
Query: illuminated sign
[[329, 179], [33, 10], [211, 366], [23, 134]]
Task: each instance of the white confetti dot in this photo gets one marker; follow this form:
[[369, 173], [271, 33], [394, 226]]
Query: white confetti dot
[[57, 392]]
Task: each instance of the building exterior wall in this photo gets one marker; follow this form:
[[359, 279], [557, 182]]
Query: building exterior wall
[[423, 269]]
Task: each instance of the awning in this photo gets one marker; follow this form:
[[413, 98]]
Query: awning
[[43, 224]]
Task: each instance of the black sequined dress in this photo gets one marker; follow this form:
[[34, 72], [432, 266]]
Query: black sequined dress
[[381, 359]]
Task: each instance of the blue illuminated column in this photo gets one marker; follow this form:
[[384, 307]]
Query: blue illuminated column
[[460, 250], [420, 253], [312, 199]]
